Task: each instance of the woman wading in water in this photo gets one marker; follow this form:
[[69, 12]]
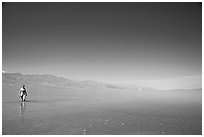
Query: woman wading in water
[[23, 93]]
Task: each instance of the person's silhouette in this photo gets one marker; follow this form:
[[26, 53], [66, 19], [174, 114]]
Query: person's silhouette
[[23, 93]]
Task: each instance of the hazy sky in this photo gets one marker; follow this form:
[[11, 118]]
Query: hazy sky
[[152, 43]]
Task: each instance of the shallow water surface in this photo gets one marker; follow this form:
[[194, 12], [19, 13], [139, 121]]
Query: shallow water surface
[[100, 112]]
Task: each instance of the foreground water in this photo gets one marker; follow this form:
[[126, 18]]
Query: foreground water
[[98, 111]]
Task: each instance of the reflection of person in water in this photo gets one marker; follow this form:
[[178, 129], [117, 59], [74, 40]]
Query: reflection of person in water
[[23, 93], [22, 108]]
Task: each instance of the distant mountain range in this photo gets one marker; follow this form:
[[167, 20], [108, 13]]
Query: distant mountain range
[[46, 80]]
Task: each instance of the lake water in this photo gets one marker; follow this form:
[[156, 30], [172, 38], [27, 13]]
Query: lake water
[[57, 111]]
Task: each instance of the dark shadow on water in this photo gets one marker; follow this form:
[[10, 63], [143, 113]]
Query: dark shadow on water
[[36, 101], [47, 101]]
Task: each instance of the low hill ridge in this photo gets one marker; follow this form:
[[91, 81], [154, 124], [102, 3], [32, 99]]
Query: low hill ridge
[[47, 80]]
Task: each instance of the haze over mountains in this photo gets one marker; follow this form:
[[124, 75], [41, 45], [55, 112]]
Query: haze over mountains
[[47, 80]]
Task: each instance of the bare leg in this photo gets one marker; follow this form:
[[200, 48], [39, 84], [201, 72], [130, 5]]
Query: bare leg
[[24, 97]]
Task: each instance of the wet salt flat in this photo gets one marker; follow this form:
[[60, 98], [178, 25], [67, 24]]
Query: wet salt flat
[[100, 112]]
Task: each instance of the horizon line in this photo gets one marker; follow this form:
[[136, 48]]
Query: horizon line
[[119, 83]]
